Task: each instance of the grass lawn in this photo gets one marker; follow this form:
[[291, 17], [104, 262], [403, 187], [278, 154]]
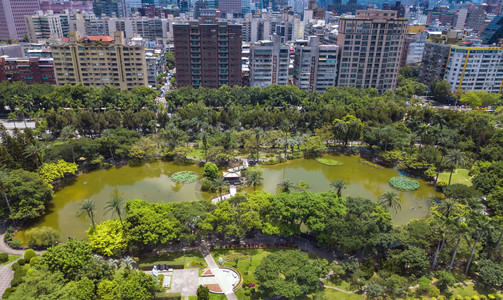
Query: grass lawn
[[197, 153], [192, 297], [176, 257], [459, 176], [334, 294], [328, 162], [11, 259], [217, 297], [341, 284]]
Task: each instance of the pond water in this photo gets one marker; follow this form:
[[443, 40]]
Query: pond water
[[151, 182]]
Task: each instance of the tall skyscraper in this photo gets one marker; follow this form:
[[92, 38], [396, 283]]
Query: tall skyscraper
[[371, 47], [207, 55], [117, 8], [493, 32], [12, 12]]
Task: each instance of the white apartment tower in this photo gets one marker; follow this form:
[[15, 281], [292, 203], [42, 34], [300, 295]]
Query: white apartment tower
[[315, 65], [269, 61], [475, 69]]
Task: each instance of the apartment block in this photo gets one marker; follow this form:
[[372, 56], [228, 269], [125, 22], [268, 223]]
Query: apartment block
[[370, 49], [315, 65], [12, 12], [111, 8], [478, 68], [27, 70], [207, 55], [44, 26], [100, 60], [434, 62], [269, 62]]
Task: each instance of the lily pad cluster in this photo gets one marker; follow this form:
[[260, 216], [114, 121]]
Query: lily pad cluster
[[184, 177], [404, 183]]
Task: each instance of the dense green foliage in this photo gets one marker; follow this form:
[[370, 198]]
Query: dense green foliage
[[184, 177], [41, 237]]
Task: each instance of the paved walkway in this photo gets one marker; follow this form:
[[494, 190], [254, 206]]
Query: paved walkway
[[214, 267], [6, 275], [5, 248]]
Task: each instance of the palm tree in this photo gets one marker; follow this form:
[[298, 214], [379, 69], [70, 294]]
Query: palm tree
[[482, 223], [460, 228], [286, 125], [390, 200], [338, 186], [219, 183], [4, 177], [34, 151], [204, 136], [114, 205], [128, 262], [107, 135], [286, 185], [254, 177], [68, 134], [454, 158], [258, 134], [87, 207]]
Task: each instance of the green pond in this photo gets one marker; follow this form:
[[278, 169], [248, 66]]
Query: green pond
[[151, 182]]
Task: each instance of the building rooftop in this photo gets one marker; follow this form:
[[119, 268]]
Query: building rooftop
[[98, 38]]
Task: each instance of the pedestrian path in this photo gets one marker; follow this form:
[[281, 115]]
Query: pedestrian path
[[6, 275], [214, 268]]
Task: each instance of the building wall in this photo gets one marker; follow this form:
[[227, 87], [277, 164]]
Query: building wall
[[99, 63], [370, 49], [315, 65], [207, 55], [434, 62], [269, 63], [475, 69], [27, 70], [12, 12]]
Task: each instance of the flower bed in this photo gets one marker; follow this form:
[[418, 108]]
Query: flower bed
[[184, 177], [328, 162], [404, 183], [232, 257]]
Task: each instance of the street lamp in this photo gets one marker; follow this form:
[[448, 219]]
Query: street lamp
[[184, 257]]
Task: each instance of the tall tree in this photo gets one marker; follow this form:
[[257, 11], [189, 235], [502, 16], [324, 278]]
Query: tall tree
[[35, 152], [259, 133], [108, 135], [454, 158], [114, 205], [4, 177], [390, 200], [254, 177], [338, 185], [219, 183], [68, 134], [88, 208], [286, 126]]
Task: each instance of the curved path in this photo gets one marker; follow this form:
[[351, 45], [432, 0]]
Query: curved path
[[6, 276], [6, 249]]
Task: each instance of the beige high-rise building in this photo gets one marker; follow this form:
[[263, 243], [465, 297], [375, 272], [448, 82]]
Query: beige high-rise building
[[100, 60], [370, 46]]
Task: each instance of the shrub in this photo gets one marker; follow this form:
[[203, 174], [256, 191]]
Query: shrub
[[21, 261], [42, 236], [16, 244], [184, 177], [33, 261], [4, 257], [211, 171], [15, 266], [8, 292], [404, 183], [433, 291], [29, 254]]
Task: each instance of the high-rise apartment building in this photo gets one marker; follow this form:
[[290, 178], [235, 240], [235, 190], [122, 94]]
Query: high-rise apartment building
[[315, 65], [207, 55], [370, 49], [493, 32], [111, 8], [269, 62], [100, 60], [434, 61], [28, 70], [43, 26], [477, 68], [12, 12]]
